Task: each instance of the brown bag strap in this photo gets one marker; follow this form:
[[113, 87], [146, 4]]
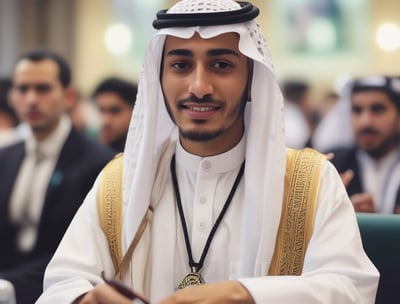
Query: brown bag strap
[[303, 170], [110, 215], [123, 266]]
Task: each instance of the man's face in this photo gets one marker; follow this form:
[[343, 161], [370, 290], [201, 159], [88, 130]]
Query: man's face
[[205, 84], [375, 121], [38, 95], [115, 116]]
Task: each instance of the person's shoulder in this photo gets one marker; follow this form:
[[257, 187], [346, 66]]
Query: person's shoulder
[[343, 157], [343, 152], [91, 147], [12, 149]]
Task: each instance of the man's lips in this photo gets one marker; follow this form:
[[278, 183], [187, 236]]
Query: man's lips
[[201, 108], [33, 115], [203, 111], [367, 136]]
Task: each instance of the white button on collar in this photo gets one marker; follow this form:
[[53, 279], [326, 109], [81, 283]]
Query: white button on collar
[[206, 165]]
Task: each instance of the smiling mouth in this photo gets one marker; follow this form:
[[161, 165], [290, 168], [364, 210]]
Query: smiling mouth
[[200, 109]]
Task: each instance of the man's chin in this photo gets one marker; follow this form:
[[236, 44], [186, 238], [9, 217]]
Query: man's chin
[[201, 136]]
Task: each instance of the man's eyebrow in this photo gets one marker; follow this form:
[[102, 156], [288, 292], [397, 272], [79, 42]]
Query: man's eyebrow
[[218, 52], [210, 53], [180, 52]]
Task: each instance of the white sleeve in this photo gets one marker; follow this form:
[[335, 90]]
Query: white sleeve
[[336, 268], [81, 256]]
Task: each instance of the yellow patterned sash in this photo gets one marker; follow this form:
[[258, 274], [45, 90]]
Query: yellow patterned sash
[[295, 229], [303, 170], [110, 206]]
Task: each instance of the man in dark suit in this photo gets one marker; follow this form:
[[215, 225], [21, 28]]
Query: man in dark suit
[[45, 178], [374, 161]]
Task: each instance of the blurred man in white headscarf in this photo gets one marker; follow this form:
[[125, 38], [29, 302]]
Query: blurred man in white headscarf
[[204, 167], [374, 159]]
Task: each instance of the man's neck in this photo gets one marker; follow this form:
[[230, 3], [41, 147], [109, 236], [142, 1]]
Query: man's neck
[[41, 134]]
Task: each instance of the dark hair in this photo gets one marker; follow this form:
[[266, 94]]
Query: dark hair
[[294, 90], [5, 87], [125, 89], [42, 54]]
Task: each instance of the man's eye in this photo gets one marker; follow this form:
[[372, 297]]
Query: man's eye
[[43, 88], [222, 65], [377, 109], [356, 110], [180, 65], [22, 89]]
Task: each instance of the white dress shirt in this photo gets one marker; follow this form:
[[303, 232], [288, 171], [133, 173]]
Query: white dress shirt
[[375, 177], [32, 181]]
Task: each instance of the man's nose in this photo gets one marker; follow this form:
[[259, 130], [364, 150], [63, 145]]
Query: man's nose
[[31, 97], [201, 83], [366, 118]]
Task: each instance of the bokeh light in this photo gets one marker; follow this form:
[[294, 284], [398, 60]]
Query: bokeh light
[[118, 38], [388, 37]]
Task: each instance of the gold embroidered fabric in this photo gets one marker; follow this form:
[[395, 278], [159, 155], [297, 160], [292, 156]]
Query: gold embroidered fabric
[[110, 206], [303, 169]]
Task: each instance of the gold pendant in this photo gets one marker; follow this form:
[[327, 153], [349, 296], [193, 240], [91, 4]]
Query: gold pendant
[[191, 279]]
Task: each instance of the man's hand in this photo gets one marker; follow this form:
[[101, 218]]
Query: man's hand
[[346, 176], [221, 292], [104, 294], [363, 202]]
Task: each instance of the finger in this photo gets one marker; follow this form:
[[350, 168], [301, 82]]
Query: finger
[[329, 156], [347, 176]]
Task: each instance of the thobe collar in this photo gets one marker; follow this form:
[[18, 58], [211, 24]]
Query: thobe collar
[[220, 163]]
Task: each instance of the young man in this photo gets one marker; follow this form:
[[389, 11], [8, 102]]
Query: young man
[[208, 102], [375, 159], [115, 99], [44, 178]]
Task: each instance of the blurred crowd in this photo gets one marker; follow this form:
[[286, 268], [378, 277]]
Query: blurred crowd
[[54, 141]]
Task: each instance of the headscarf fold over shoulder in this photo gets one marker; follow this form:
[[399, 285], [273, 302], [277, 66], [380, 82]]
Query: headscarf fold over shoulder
[[152, 133]]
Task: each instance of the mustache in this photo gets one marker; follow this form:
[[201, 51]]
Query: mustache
[[368, 131], [204, 99]]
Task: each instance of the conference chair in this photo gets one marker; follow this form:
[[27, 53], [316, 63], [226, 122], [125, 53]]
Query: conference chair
[[381, 240]]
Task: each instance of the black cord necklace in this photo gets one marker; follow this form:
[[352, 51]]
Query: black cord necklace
[[194, 278]]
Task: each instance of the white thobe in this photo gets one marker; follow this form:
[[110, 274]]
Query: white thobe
[[381, 178], [336, 268]]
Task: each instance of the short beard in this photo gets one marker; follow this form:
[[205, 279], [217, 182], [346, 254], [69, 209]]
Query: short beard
[[384, 148], [201, 136]]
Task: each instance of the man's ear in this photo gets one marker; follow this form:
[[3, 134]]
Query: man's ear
[[71, 97], [250, 68]]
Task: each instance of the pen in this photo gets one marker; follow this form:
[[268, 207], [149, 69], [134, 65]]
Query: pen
[[125, 291]]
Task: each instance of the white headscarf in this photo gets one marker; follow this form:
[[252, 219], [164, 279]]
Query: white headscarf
[[335, 129], [151, 132]]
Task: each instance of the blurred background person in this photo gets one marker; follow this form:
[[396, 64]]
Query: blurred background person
[[328, 101], [115, 99], [334, 127], [298, 113], [84, 115], [8, 117], [374, 160], [45, 178]]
